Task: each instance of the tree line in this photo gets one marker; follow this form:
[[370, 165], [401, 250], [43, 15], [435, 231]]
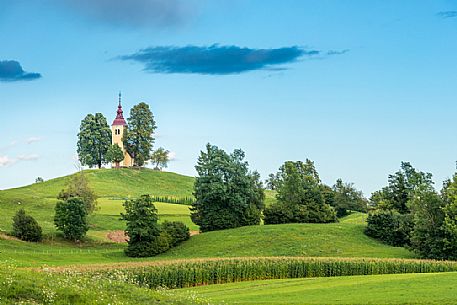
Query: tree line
[[229, 195], [409, 212]]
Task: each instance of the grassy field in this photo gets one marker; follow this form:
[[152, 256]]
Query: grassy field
[[320, 240], [39, 199], [424, 288], [30, 287], [337, 239]]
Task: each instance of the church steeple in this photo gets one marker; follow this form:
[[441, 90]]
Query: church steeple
[[119, 120]]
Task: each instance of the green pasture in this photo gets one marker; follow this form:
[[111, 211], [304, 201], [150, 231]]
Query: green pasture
[[423, 288]]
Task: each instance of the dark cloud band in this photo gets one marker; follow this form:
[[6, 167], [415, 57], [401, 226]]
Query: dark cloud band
[[448, 14], [215, 59], [11, 70]]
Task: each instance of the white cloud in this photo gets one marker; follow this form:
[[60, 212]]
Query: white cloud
[[172, 156], [33, 139], [5, 160], [32, 157]]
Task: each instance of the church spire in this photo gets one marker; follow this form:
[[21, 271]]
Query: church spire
[[119, 120]]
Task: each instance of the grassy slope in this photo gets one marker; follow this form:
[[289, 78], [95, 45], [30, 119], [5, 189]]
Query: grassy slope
[[339, 239], [38, 199], [428, 288], [342, 239]]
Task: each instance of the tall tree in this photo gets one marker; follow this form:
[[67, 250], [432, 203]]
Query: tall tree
[[115, 154], [227, 194], [138, 137], [160, 158], [94, 139]]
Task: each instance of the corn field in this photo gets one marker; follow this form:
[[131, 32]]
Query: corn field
[[200, 272]]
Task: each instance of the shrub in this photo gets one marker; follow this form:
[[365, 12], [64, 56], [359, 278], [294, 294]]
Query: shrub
[[145, 237], [71, 218], [390, 227], [177, 232], [25, 227]]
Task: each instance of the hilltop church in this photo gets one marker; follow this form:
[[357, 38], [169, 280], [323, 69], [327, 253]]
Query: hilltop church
[[118, 128]]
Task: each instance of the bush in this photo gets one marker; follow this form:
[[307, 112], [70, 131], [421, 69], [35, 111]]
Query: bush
[[71, 218], [278, 213], [25, 227], [390, 227], [177, 232]]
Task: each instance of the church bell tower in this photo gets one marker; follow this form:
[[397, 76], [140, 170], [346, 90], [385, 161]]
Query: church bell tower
[[118, 128]]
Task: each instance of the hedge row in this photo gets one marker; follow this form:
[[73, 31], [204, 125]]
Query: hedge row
[[195, 273], [174, 200]]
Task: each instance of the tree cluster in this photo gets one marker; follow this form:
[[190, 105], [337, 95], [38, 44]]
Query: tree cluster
[[227, 194], [94, 140], [410, 212], [146, 236], [300, 196]]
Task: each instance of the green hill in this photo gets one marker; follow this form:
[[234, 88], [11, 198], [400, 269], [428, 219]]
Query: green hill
[[38, 199], [345, 239]]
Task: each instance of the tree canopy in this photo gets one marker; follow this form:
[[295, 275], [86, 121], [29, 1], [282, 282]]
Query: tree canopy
[[300, 196], [115, 154], [160, 158], [138, 137], [227, 194], [94, 140]]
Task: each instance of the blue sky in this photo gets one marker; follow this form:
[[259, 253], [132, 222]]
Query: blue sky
[[356, 86]]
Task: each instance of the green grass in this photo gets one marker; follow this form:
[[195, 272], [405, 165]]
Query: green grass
[[31, 287], [39, 199], [335, 240], [428, 288]]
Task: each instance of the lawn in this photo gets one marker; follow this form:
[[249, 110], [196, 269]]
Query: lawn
[[424, 288], [335, 240]]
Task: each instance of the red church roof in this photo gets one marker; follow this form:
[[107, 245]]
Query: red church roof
[[119, 120]]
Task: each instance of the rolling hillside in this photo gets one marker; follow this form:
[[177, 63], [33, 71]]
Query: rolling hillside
[[109, 184], [345, 239]]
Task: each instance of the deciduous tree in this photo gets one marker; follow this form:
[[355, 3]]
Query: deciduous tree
[[94, 139], [160, 158], [138, 137], [71, 218], [227, 194], [115, 154]]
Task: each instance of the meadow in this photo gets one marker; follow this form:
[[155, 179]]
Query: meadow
[[416, 288], [338, 248]]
